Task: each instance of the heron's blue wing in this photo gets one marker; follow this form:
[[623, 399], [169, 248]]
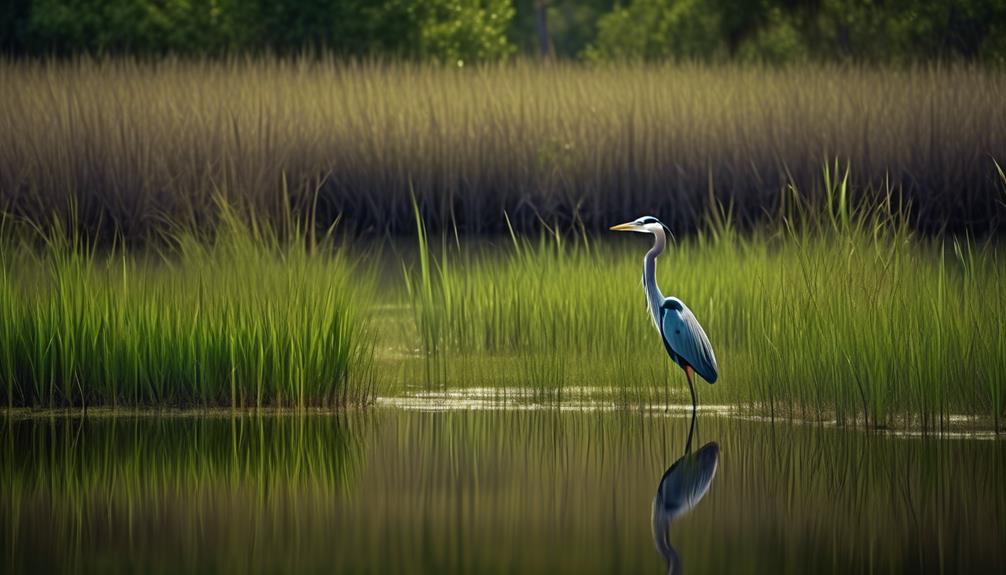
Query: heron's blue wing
[[685, 337], [687, 481]]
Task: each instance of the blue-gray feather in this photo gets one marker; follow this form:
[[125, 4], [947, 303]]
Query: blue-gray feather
[[686, 341]]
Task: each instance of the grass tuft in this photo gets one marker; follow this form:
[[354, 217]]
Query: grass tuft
[[242, 318]]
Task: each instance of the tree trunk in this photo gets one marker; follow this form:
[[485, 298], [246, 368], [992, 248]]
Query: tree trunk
[[544, 42]]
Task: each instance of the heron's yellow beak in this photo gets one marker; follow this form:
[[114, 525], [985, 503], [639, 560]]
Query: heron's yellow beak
[[626, 227]]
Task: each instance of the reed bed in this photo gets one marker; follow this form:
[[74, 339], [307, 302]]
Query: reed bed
[[120, 143], [239, 319], [853, 318]]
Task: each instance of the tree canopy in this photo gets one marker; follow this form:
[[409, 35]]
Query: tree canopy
[[490, 30]]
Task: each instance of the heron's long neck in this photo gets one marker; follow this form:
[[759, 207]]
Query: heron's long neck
[[653, 296], [661, 539]]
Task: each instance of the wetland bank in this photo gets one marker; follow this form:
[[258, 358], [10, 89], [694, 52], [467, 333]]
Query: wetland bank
[[331, 323]]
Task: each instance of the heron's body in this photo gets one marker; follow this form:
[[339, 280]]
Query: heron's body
[[683, 337]]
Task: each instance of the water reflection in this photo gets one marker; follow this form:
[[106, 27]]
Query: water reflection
[[153, 493], [681, 488], [459, 491]]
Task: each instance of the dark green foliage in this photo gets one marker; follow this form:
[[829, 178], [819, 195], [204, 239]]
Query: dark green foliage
[[572, 25], [439, 29], [657, 30], [133, 26], [470, 30], [784, 30]]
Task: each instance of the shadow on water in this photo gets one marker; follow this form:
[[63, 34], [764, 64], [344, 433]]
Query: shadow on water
[[681, 488], [490, 491]]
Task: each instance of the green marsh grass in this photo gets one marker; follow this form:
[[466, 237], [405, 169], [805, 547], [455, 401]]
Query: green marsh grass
[[242, 318], [848, 316], [125, 141]]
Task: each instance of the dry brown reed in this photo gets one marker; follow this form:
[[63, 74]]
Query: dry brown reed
[[125, 144]]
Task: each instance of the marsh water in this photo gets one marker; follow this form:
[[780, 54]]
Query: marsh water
[[420, 490]]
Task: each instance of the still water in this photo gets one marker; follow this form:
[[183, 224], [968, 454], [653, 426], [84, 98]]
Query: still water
[[549, 491]]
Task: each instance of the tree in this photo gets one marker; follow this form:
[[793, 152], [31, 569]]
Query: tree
[[659, 29], [446, 30]]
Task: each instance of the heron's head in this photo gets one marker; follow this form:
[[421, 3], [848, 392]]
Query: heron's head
[[645, 224]]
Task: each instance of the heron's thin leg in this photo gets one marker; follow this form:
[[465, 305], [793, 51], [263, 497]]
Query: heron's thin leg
[[691, 388], [691, 432]]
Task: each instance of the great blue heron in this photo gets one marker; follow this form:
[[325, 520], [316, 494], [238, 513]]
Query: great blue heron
[[683, 337]]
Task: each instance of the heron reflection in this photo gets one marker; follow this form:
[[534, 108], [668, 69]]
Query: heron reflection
[[681, 488]]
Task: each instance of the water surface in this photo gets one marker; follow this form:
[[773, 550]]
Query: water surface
[[516, 491]]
